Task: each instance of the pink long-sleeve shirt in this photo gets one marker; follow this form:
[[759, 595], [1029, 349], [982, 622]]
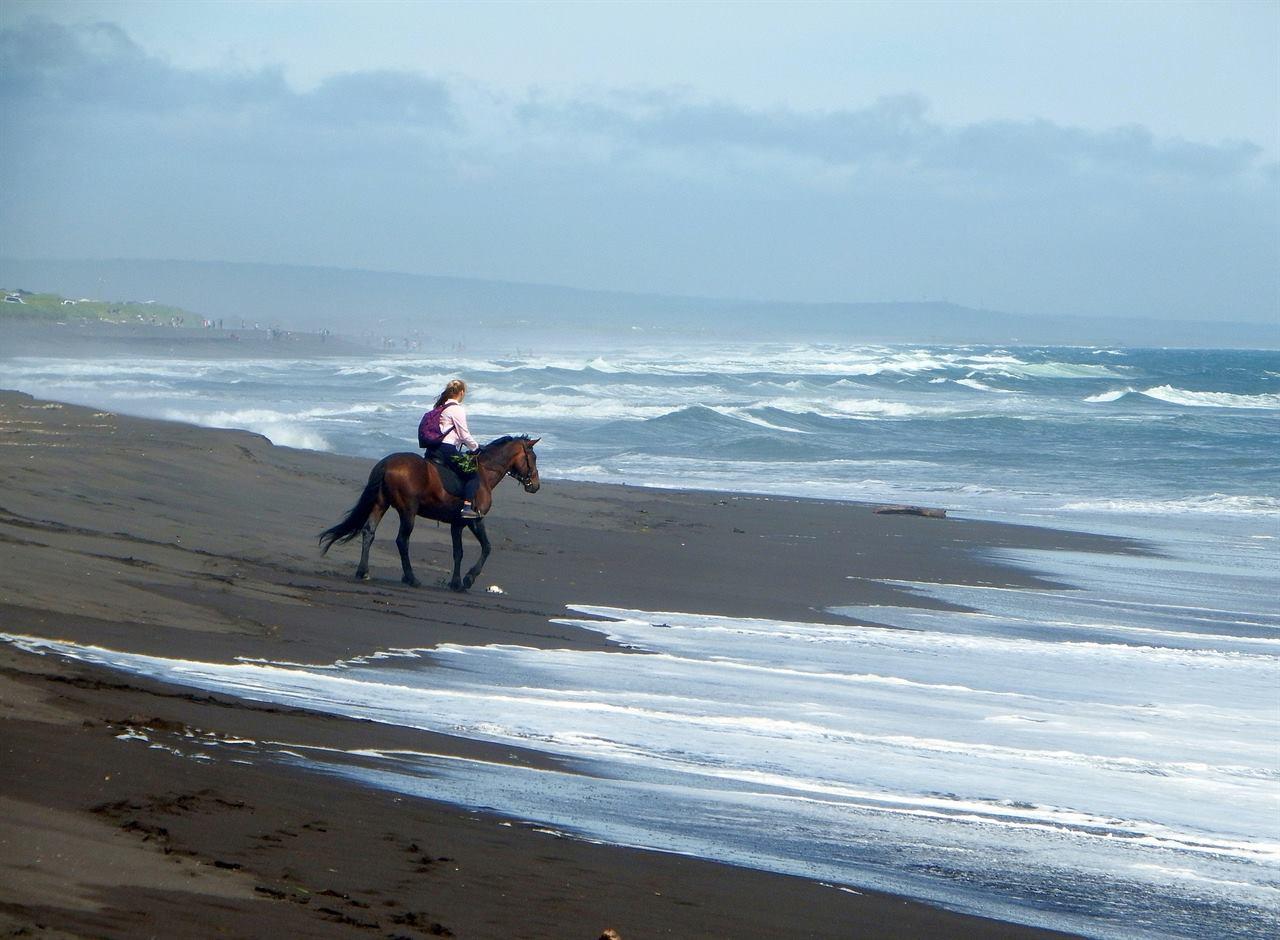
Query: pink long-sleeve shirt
[[453, 421]]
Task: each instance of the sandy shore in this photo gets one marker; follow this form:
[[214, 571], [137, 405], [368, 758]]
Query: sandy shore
[[191, 543]]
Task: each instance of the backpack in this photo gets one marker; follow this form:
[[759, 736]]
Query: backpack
[[429, 431]]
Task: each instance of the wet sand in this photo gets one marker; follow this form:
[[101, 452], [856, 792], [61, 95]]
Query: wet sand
[[191, 543]]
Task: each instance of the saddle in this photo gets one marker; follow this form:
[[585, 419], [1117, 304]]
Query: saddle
[[451, 478]]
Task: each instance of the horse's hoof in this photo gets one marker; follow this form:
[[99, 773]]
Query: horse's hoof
[[456, 586], [412, 582], [467, 582], [363, 576]]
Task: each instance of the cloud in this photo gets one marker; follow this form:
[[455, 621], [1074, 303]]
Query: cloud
[[390, 98], [98, 69], [67, 70], [111, 150], [892, 131]]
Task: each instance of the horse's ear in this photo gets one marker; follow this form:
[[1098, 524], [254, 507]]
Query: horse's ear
[[534, 441]]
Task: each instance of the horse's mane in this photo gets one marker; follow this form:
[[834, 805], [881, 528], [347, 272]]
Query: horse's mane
[[505, 439]]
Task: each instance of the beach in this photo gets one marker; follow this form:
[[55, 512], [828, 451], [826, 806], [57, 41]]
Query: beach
[[130, 811], [892, 544]]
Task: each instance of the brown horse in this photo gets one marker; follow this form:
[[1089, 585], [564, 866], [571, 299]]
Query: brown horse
[[411, 486]]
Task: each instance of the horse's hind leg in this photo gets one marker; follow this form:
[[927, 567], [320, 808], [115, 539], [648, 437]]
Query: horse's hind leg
[[366, 540], [402, 543], [477, 529]]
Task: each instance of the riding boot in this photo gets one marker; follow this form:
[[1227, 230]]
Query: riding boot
[[468, 499]]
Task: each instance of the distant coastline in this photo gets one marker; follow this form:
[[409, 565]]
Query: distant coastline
[[92, 338], [363, 302]]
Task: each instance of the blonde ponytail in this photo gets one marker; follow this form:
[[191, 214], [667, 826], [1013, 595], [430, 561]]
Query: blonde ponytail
[[455, 389]]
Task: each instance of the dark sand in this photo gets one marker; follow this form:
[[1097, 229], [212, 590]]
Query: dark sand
[[191, 543]]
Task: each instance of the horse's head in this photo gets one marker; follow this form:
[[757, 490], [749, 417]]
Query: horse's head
[[514, 457], [524, 465]]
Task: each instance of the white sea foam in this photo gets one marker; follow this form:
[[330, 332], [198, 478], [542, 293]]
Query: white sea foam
[[1054, 370], [1113, 395], [742, 414], [585, 403], [1057, 756], [870, 407], [1191, 399], [535, 407], [1179, 396], [1216, 503], [805, 359], [981, 387], [288, 429]]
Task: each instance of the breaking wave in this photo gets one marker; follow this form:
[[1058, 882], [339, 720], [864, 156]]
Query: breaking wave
[[1215, 503], [285, 429], [1190, 399]]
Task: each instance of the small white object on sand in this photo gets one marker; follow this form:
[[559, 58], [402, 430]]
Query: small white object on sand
[[494, 589]]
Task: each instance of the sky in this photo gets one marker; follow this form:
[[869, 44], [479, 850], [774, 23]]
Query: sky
[[1059, 158]]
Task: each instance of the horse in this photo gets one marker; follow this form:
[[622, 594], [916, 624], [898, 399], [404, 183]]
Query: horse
[[411, 485]]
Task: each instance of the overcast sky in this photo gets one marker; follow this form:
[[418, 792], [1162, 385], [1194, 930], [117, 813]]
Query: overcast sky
[[1038, 158]]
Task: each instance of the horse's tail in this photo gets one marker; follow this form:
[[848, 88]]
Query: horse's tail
[[346, 530]]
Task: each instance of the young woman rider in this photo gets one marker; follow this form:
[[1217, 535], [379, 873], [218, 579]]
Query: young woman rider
[[457, 440]]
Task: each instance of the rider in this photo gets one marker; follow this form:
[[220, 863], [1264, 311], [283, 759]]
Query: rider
[[457, 440]]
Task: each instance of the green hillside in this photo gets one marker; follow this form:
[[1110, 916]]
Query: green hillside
[[52, 308]]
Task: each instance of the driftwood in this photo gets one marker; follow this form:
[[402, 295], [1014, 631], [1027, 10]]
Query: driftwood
[[911, 511]]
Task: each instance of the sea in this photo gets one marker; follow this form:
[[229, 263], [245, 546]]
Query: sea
[[1103, 758]]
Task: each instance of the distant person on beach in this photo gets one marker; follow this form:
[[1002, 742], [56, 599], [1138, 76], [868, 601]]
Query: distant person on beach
[[445, 436]]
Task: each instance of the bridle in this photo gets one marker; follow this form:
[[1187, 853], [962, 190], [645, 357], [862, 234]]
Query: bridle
[[524, 480]]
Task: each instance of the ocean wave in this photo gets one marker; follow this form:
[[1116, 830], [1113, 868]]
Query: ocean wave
[[979, 386], [778, 412], [800, 359], [1009, 813], [1216, 503], [1191, 399], [1179, 396], [567, 408], [744, 415], [697, 421], [910, 642], [379, 372], [1057, 370], [1113, 395], [632, 401], [867, 407], [283, 428], [793, 360], [104, 370], [602, 402]]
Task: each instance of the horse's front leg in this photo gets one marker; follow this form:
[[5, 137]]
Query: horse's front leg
[[477, 529], [455, 533]]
